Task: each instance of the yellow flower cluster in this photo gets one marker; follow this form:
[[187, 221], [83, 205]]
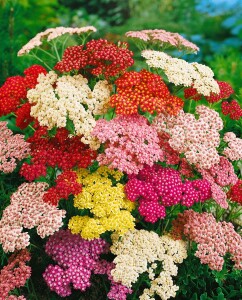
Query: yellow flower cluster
[[104, 196]]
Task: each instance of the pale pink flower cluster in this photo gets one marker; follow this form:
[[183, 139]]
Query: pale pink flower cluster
[[13, 148], [56, 98], [14, 275], [219, 176], [196, 138], [28, 210], [52, 33], [234, 149], [180, 72], [214, 239], [138, 251], [162, 37], [130, 143]]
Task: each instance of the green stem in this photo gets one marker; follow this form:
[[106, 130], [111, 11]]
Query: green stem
[[46, 52], [56, 52], [39, 59]]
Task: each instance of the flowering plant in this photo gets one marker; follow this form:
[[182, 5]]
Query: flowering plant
[[127, 175]]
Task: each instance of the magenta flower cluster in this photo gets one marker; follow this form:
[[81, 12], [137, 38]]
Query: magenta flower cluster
[[219, 176], [13, 148], [77, 259], [214, 239], [130, 143], [27, 209], [14, 275], [156, 188]]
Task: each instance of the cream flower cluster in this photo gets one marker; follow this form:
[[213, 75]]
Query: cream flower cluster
[[180, 72], [57, 98], [52, 33], [140, 251], [196, 138]]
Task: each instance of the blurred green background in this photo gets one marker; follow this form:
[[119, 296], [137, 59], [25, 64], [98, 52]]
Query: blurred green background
[[215, 26]]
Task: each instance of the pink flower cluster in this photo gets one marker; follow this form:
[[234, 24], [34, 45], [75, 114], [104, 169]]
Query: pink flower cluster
[[196, 138], [13, 148], [129, 143], [15, 274], [219, 176], [214, 239], [117, 291], [76, 258], [160, 36], [27, 209], [234, 149], [157, 187]]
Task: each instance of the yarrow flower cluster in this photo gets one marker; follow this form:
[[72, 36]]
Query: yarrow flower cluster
[[14, 274], [234, 149], [219, 176], [66, 184], [140, 251], [225, 91], [129, 142], [180, 72], [235, 193], [56, 99], [156, 188], [105, 200], [146, 91], [196, 138], [28, 210], [13, 148], [98, 57], [15, 88], [75, 258], [163, 38], [60, 151], [53, 33], [232, 109], [214, 239]]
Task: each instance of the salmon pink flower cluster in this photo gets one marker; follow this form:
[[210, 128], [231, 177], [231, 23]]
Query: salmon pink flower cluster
[[15, 274], [114, 178], [13, 149], [214, 239]]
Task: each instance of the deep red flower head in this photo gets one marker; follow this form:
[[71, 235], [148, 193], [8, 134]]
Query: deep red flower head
[[232, 109]]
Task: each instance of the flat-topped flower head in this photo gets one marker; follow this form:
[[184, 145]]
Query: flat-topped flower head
[[53, 33], [180, 72], [163, 38]]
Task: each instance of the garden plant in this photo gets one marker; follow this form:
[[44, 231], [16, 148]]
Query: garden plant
[[117, 180]]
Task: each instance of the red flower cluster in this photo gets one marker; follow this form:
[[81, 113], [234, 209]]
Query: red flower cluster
[[232, 109], [145, 90], [235, 193], [60, 151], [14, 90], [100, 57], [225, 91], [23, 118], [66, 184], [157, 187]]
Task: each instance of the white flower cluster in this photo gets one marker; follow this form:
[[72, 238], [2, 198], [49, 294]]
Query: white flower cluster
[[52, 33], [180, 72], [57, 98], [140, 251]]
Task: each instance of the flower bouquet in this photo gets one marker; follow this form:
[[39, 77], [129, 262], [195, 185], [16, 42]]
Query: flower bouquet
[[119, 181]]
